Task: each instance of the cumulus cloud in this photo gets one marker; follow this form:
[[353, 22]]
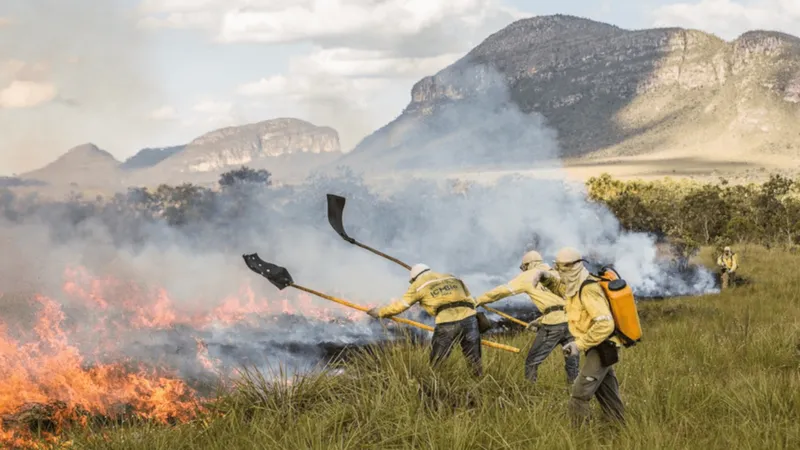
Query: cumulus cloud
[[730, 18], [26, 94], [25, 85], [418, 27]]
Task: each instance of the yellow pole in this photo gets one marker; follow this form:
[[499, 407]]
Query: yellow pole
[[502, 314], [340, 301]]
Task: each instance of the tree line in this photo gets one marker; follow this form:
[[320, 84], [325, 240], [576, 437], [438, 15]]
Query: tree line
[[693, 214], [685, 213]]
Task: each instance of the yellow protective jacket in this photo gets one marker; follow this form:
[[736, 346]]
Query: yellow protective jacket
[[730, 262], [539, 295], [432, 290], [588, 313]]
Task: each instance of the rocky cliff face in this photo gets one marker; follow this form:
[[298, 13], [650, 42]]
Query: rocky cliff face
[[247, 144], [603, 88]]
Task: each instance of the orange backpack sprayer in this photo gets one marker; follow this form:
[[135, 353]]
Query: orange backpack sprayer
[[622, 304]]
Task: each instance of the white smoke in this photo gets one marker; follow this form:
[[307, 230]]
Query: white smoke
[[479, 234]]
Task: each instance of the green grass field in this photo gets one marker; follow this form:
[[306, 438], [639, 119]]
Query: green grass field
[[714, 372]]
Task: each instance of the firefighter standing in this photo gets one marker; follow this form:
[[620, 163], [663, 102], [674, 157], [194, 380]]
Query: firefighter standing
[[551, 327], [592, 324], [728, 262], [447, 299]]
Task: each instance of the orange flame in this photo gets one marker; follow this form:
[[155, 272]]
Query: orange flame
[[50, 369], [43, 365]]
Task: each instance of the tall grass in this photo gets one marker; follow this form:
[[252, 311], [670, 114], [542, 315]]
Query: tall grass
[[712, 372]]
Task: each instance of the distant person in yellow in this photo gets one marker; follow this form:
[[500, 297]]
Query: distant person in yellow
[[551, 327], [728, 262], [446, 298], [592, 325]]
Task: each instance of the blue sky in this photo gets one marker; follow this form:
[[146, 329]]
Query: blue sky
[[125, 74]]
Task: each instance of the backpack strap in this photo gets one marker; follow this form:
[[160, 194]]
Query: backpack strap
[[586, 282]]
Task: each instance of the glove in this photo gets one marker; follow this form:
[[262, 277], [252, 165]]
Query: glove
[[374, 312], [570, 349], [535, 324], [536, 276]]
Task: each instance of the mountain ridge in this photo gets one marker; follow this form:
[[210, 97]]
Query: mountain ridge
[[607, 92], [279, 142]]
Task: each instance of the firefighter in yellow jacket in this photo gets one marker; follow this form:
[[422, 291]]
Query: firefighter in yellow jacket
[[551, 327], [447, 299], [592, 325], [728, 262]]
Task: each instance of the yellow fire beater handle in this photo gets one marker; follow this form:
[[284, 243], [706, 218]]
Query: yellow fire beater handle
[[340, 301]]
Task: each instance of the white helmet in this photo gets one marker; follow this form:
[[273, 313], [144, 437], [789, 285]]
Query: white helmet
[[417, 270], [530, 257]]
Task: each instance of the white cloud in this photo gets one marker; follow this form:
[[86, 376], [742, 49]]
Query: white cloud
[[26, 94], [407, 27], [165, 112], [730, 18], [4, 21], [355, 92], [349, 73]]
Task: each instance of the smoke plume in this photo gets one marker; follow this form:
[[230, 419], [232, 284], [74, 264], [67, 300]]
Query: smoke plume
[[155, 279]]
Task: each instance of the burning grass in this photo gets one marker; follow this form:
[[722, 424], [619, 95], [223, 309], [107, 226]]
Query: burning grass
[[103, 352], [713, 372]]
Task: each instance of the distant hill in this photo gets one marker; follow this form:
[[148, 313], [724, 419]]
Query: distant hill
[[286, 147], [149, 157], [83, 165], [605, 92]]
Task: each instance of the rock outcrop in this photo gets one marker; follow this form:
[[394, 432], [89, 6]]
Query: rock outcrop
[[248, 144]]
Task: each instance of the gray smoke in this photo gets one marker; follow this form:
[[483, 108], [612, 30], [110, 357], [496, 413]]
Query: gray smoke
[[479, 233]]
